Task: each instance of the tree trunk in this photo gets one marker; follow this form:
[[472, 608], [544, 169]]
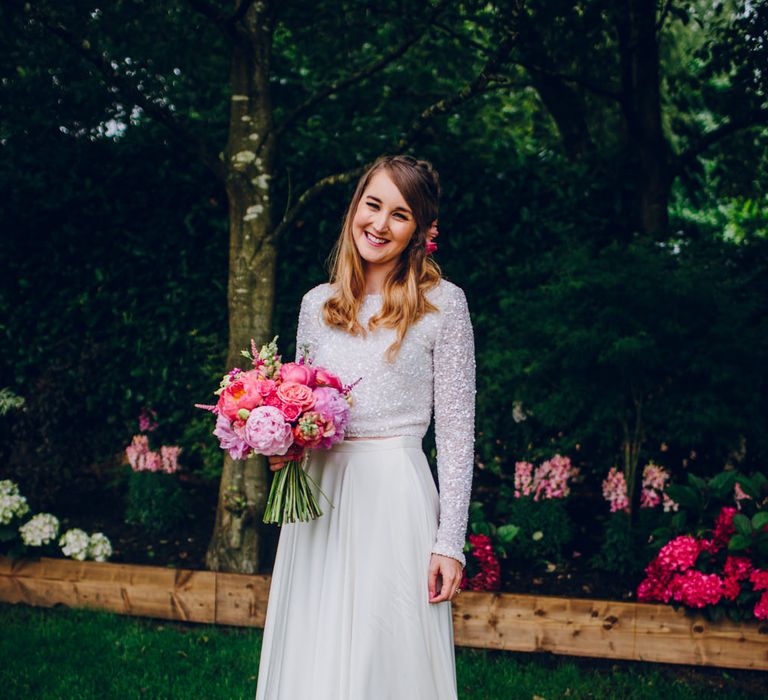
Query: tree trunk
[[648, 150], [249, 157]]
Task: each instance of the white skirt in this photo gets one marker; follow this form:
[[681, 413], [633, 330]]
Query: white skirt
[[349, 616]]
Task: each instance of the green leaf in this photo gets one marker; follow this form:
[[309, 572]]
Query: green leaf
[[506, 533], [739, 542], [760, 520], [723, 483], [678, 520], [748, 486], [684, 495], [742, 524], [697, 482]]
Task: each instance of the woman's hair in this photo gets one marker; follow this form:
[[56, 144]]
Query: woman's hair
[[404, 294]]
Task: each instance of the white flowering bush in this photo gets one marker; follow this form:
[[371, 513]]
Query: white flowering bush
[[42, 529], [12, 503], [99, 547], [74, 543]]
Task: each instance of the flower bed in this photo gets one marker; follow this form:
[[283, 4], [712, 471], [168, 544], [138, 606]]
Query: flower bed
[[580, 627]]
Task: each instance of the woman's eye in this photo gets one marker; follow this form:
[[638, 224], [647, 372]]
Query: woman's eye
[[402, 217], [373, 205]]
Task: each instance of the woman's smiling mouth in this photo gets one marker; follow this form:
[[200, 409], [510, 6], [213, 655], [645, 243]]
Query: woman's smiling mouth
[[375, 240]]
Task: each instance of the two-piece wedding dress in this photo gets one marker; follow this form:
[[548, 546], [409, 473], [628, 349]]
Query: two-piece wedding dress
[[349, 616]]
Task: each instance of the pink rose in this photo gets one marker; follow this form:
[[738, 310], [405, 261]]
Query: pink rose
[[290, 410], [267, 387], [326, 378], [301, 374], [297, 394]]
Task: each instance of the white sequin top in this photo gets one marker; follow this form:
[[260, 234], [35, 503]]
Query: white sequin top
[[435, 366]]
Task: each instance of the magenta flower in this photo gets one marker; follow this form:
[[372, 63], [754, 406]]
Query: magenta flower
[[229, 440]]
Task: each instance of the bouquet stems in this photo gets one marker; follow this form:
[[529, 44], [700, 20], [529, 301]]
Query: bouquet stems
[[290, 497]]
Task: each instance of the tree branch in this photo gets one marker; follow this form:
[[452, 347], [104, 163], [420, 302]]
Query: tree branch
[[128, 88], [476, 86], [663, 16], [743, 121], [374, 67]]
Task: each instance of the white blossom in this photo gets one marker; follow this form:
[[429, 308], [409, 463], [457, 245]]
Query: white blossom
[[74, 543], [40, 530], [99, 547], [12, 503]]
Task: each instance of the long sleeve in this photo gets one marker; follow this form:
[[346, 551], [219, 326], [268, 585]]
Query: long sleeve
[[306, 332], [454, 408]]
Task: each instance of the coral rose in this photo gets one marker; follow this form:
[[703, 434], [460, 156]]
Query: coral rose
[[297, 394]]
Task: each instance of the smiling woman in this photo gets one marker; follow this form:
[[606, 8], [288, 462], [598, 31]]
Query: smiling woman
[[360, 599]]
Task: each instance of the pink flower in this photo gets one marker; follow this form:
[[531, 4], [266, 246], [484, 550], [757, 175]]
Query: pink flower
[[169, 456], [551, 478], [297, 394], [615, 490], [312, 429], [737, 567], [267, 387], [332, 406], [724, 527], [267, 431], [696, 589], [731, 588], [761, 609], [147, 420], [431, 235], [489, 576], [231, 440], [739, 494], [139, 446], [299, 373], [325, 378], [243, 393], [523, 479], [679, 554], [759, 579]]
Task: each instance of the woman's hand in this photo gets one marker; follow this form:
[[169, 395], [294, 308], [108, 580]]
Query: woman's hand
[[278, 461], [450, 572]]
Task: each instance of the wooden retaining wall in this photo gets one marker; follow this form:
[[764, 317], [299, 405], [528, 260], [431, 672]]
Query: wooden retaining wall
[[573, 626]]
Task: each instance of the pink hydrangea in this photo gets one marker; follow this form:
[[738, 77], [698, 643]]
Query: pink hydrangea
[[696, 589], [655, 587], [759, 579], [679, 554], [724, 527], [737, 567], [761, 609], [489, 576]]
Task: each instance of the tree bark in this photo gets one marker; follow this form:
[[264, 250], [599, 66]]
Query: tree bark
[[234, 545]]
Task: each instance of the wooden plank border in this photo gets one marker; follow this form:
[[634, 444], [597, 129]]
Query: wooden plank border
[[572, 626]]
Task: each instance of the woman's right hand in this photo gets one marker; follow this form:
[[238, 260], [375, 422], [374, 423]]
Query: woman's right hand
[[278, 461]]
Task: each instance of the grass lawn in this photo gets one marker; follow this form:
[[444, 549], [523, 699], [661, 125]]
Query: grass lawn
[[77, 654]]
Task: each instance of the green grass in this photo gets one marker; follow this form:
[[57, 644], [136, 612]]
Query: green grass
[[77, 654]]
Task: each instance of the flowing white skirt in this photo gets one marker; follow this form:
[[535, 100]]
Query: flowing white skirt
[[348, 616]]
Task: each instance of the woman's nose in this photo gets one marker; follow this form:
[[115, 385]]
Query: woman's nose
[[380, 222]]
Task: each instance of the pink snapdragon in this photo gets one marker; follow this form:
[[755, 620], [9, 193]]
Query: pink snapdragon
[[147, 420], [551, 478], [615, 490], [142, 459], [523, 479]]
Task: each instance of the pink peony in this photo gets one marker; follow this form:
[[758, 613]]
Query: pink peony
[[299, 373], [325, 378], [229, 439], [242, 393], [297, 394], [267, 431]]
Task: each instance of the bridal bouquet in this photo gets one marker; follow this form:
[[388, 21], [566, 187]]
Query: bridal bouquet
[[281, 408]]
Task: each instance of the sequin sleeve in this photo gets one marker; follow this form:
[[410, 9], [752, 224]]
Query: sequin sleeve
[[454, 410], [306, 332]]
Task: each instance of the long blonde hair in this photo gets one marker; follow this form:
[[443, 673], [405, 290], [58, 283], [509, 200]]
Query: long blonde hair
[[404, 294]]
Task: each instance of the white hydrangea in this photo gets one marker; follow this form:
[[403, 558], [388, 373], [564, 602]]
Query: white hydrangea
[[40, 530], [12, 503], [99, 547], [74, 543]]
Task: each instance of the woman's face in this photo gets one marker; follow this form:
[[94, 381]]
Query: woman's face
[[383, 223]]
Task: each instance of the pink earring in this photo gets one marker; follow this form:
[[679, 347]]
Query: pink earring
[[431, 235]]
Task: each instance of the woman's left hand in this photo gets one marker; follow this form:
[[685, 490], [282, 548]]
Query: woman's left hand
[[450, 571]]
